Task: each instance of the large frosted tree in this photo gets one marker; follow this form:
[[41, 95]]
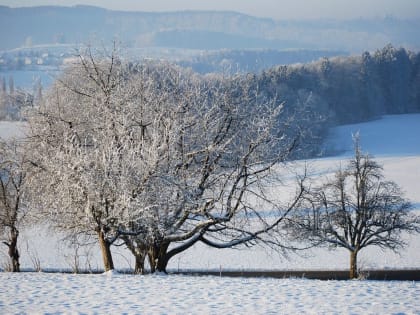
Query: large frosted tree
[[158, 158]]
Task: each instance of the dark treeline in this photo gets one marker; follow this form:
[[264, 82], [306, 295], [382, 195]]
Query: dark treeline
[[350, 89]]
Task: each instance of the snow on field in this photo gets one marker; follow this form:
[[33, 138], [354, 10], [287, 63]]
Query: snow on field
[[11, 129], [41, 293], [394, 141], [393, 135]]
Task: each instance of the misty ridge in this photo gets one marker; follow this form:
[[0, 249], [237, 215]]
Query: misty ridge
[[199, 30]]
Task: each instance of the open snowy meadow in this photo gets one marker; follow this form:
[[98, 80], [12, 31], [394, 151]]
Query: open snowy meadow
[[41, 293], [394, 142]]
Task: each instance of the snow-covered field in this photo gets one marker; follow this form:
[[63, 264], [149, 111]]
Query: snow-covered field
[[40, 293], [395, 143]]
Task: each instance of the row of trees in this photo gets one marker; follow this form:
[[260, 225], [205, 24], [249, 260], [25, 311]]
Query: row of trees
[[158, 159]]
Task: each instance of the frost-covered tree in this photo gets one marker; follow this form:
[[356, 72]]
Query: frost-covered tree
[[13, 207], [87, 143], [158, 158], [214, 174], [355, 209]]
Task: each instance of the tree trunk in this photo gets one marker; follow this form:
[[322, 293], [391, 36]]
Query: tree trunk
[[13, 250], [106, 251], [159, 255], [158, 258], [353, 265], [139, 252], [151, 255], [162, 263], [139, 266]]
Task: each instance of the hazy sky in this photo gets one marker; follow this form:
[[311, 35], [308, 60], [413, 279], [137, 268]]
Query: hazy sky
[[284, 9]]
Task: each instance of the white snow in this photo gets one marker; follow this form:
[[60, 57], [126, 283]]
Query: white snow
[[42, 293], [11, 129], [393, 135]]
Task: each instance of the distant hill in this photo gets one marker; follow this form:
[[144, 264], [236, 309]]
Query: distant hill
[[29, 26]]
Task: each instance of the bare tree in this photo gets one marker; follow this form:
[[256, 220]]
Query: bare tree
[[13, 174], [158, 157], [355, 209]]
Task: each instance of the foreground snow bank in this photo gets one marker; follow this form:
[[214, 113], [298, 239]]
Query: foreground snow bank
[[63, 293]]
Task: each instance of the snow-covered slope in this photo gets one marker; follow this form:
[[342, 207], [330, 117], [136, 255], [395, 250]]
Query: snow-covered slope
[[396, 135], [393, 140]]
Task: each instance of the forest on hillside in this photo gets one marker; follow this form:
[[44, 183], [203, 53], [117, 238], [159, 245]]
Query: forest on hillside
[[332, 90], [351, 89]]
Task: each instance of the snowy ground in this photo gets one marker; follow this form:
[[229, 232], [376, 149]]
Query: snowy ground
[[393, 135], [40, 293]]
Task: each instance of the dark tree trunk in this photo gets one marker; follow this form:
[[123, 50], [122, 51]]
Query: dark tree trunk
[[152, 260], [158, 257], [13, 250], [139, 266], [353, 265], [105, 251], [139, 252], [162, 263]]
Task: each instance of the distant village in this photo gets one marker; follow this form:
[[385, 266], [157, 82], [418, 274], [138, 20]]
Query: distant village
[[33, 58]]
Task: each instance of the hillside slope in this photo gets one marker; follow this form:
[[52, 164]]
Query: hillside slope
[[393, 135]]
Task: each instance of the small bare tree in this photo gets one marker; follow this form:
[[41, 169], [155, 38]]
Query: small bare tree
[[13, 172], [355, 209]]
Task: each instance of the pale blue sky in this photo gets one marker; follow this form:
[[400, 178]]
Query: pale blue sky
[[278, 9]]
